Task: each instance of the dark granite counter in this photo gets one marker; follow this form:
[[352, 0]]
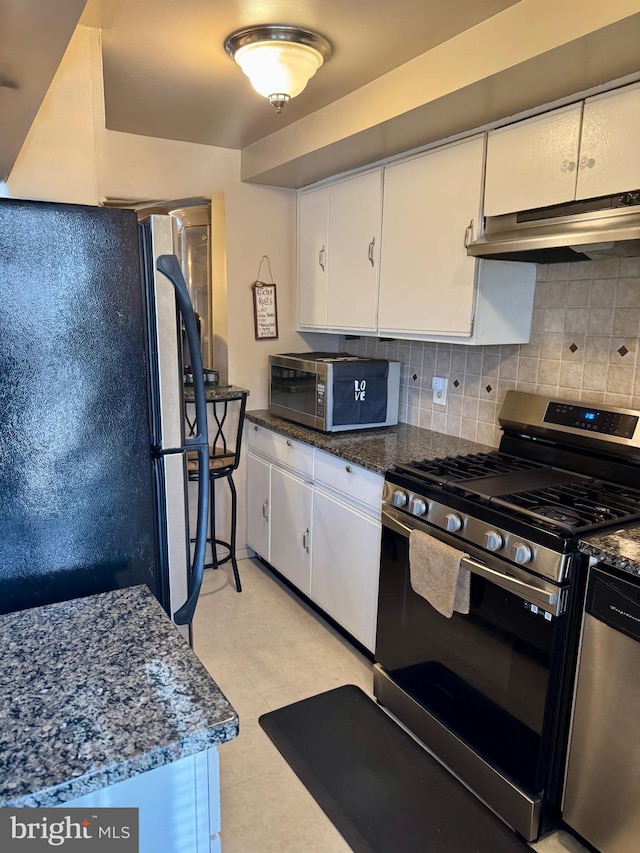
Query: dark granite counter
[[213, 393], [96, 690], [375, 449], [619, 548]]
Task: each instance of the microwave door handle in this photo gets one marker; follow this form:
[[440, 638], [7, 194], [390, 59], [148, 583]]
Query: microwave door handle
[[169, 266]]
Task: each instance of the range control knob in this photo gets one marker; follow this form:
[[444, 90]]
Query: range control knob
[[399, 498], [453, 522], [418, 506], [493, 540], [521, 552]]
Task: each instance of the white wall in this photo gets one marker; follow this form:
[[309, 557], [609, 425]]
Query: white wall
[[70, 156], [58, 159], [261, 221]]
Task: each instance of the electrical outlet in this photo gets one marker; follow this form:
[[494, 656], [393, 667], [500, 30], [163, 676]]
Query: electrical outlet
[[439, 385]]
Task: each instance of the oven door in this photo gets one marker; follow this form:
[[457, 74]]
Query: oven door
[[485, 680]]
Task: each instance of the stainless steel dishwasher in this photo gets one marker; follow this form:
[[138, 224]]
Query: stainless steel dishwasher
[[603, 772]]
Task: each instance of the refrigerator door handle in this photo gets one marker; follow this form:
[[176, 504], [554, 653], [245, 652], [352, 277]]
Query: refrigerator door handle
[[169, 266]]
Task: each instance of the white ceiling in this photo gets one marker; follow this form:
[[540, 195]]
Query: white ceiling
[[166, 72]]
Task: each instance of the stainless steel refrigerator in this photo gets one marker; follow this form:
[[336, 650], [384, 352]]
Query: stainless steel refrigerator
[[93, 488]]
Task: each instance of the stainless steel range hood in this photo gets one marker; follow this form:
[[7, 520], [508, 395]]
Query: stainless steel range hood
[[593, 229]]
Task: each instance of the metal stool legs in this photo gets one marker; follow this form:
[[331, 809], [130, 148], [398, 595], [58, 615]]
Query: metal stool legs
[[231, 545]]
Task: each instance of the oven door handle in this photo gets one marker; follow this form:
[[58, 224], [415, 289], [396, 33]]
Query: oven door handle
[[548, 599]]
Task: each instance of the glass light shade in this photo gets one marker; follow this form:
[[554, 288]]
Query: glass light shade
[[278, 67]]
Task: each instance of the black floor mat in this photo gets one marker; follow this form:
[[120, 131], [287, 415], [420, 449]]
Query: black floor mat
[[380, 789]]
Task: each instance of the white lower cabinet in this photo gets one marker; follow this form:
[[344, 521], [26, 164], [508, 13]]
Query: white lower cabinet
[[346, 557], [291, 528], [178, 804], [258, 528], [316, 519]]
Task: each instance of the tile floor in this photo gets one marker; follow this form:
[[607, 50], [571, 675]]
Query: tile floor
[[266, 649]]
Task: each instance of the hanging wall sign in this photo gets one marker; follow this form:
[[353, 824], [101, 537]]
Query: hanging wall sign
[[265, 306]]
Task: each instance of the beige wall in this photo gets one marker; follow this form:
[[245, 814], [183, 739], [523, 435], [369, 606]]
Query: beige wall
[[261, 221], [69, 155]]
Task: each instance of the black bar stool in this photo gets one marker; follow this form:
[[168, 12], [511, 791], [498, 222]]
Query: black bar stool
[[224, 458]]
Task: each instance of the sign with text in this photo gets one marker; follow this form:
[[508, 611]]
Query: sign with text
[[265, 311], [71, 830]]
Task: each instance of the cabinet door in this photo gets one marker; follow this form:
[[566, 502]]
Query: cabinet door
[[291, 528], [258, 505], [533, 163], [610, 144], [354, 242], [345, 565], [313, 209], [427, 279]]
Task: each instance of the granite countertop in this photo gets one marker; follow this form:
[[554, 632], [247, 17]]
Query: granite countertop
[[96, 690], [381, 449], [375, 449], [618, 548], [215, 392]]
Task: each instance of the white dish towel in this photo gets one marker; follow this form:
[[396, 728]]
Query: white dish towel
[[436, 574]]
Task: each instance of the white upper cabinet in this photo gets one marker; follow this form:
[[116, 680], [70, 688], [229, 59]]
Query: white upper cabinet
[[338, 254], [587, 150], [533, 163], [610, 144], [313, 227], [354, 247], [412, 277], [427, 280]]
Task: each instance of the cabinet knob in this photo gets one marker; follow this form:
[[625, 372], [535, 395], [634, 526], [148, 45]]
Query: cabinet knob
[[255, 428], [568, 165], [288, 442], [348, 469]]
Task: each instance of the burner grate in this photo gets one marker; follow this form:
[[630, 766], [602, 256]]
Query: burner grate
[[575, 506], [453, 469]]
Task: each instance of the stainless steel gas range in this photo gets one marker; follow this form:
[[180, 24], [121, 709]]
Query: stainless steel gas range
[[489, 691]]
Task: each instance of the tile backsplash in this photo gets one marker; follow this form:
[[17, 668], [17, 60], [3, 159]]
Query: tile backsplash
[[584, 346]]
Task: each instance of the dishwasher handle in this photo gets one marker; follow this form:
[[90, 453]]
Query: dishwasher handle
[[615, 601]]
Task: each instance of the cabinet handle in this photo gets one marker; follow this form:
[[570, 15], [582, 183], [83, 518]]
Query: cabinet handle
[[468, 234], [305, 540], [348, 469], [289, 442], [371, 246], [265, 510], [322, 259]]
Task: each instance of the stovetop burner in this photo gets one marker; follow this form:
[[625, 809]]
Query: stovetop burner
[[545, 496]]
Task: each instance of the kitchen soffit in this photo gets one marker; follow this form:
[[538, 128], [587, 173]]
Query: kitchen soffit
[[34, 38], [166, 73]]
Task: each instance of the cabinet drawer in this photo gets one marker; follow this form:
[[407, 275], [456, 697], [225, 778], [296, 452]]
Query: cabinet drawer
[[349, 479], [286, 451]]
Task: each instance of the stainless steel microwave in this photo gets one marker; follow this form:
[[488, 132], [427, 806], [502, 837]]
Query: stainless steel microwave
[[334, 392]]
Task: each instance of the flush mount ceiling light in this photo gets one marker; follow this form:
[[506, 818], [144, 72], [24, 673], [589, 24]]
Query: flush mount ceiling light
[[279, 61]]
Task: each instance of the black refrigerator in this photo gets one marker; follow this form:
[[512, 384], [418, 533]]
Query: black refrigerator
[[92, 447]]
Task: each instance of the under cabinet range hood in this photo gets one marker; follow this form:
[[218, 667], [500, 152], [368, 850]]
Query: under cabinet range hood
[[593, 229]]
